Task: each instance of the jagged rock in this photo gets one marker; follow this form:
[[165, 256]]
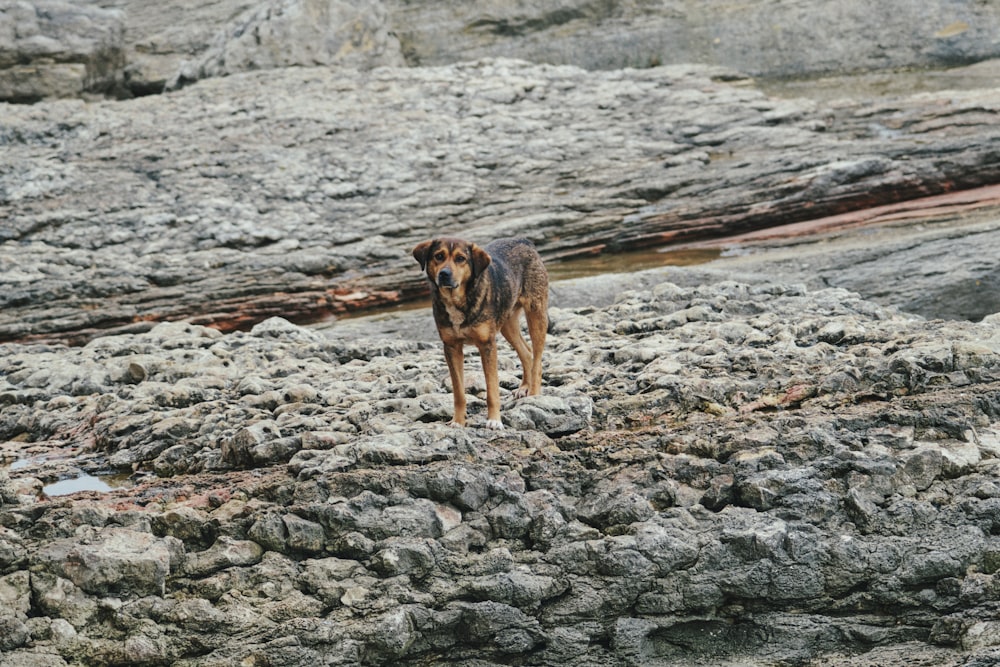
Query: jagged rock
[[763, 473], [223, 554]]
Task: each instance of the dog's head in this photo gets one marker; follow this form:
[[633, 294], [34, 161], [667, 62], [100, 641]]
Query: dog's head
[[451, 263]]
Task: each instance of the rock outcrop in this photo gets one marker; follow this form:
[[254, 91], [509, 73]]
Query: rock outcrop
[[51, 48], [175, 41], [743, 464], [727, 473], [784, 39], [301, 194]]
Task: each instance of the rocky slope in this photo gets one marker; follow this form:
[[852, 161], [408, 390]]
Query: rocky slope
[[719, 473]]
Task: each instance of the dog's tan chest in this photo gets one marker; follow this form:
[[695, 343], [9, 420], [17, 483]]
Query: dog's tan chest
[[455, 316]]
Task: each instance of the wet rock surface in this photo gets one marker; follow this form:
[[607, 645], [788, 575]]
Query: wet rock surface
[[932, 257], [718, 472]]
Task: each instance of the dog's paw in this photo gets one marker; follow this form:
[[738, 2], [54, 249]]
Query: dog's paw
[[521, 391], [494, 424], [456, 424]]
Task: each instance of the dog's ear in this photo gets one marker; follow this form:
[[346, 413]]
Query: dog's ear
[[480, 259], [422, 252]]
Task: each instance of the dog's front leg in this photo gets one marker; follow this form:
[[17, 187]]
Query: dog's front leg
[[454, 354], [488, 353]]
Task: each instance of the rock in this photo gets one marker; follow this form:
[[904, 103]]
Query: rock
[[303, 536], [113, 562], [13, 633], [551, 415], [60, 598], [782, 523], [185, 524], [237, 243], [223, 554], [773, 40], [405, 556], [778, 40], [50, 49], [306, 33]]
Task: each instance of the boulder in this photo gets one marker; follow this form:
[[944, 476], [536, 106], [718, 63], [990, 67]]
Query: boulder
[[113, 562]]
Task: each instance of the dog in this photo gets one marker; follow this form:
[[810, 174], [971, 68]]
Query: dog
[[478, 291]]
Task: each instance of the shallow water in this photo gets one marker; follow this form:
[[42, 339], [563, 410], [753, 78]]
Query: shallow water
[[625, 262], [86, 482], [74, 484]]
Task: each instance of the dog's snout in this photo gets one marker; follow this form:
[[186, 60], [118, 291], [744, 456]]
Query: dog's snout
[[445, 278]]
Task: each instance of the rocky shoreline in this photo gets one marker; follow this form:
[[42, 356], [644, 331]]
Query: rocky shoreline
[[786, 457], [718, 472]]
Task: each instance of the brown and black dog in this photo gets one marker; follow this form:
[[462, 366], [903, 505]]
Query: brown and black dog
[[477, 292]]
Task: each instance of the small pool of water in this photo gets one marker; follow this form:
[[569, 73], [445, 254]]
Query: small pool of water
[[65, 487], [85, 482], [23, 463], [628, 262]]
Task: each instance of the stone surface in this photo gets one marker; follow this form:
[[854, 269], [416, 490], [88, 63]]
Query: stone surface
[[773, 39], [777, 40], [50, 48], [288, 195], [746, 463], [932, 257], [743, 473], [310, 33]]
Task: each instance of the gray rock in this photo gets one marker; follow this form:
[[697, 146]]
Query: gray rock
[[303, 536], [113, 562], [309, 33], [781, 39], [13, 633], [60, 598], [223, 554], [553, 415], [237, 243], [717, 503], [397, 556], [773, 40], [50, 48]]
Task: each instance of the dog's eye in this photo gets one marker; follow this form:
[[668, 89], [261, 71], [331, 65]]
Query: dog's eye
[[439, 256], [459, 259]]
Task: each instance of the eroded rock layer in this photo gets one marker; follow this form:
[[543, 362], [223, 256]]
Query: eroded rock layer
[[300, 192]]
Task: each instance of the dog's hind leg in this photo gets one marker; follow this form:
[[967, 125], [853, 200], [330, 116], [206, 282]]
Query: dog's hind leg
[[511, 330], [537, 314]]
